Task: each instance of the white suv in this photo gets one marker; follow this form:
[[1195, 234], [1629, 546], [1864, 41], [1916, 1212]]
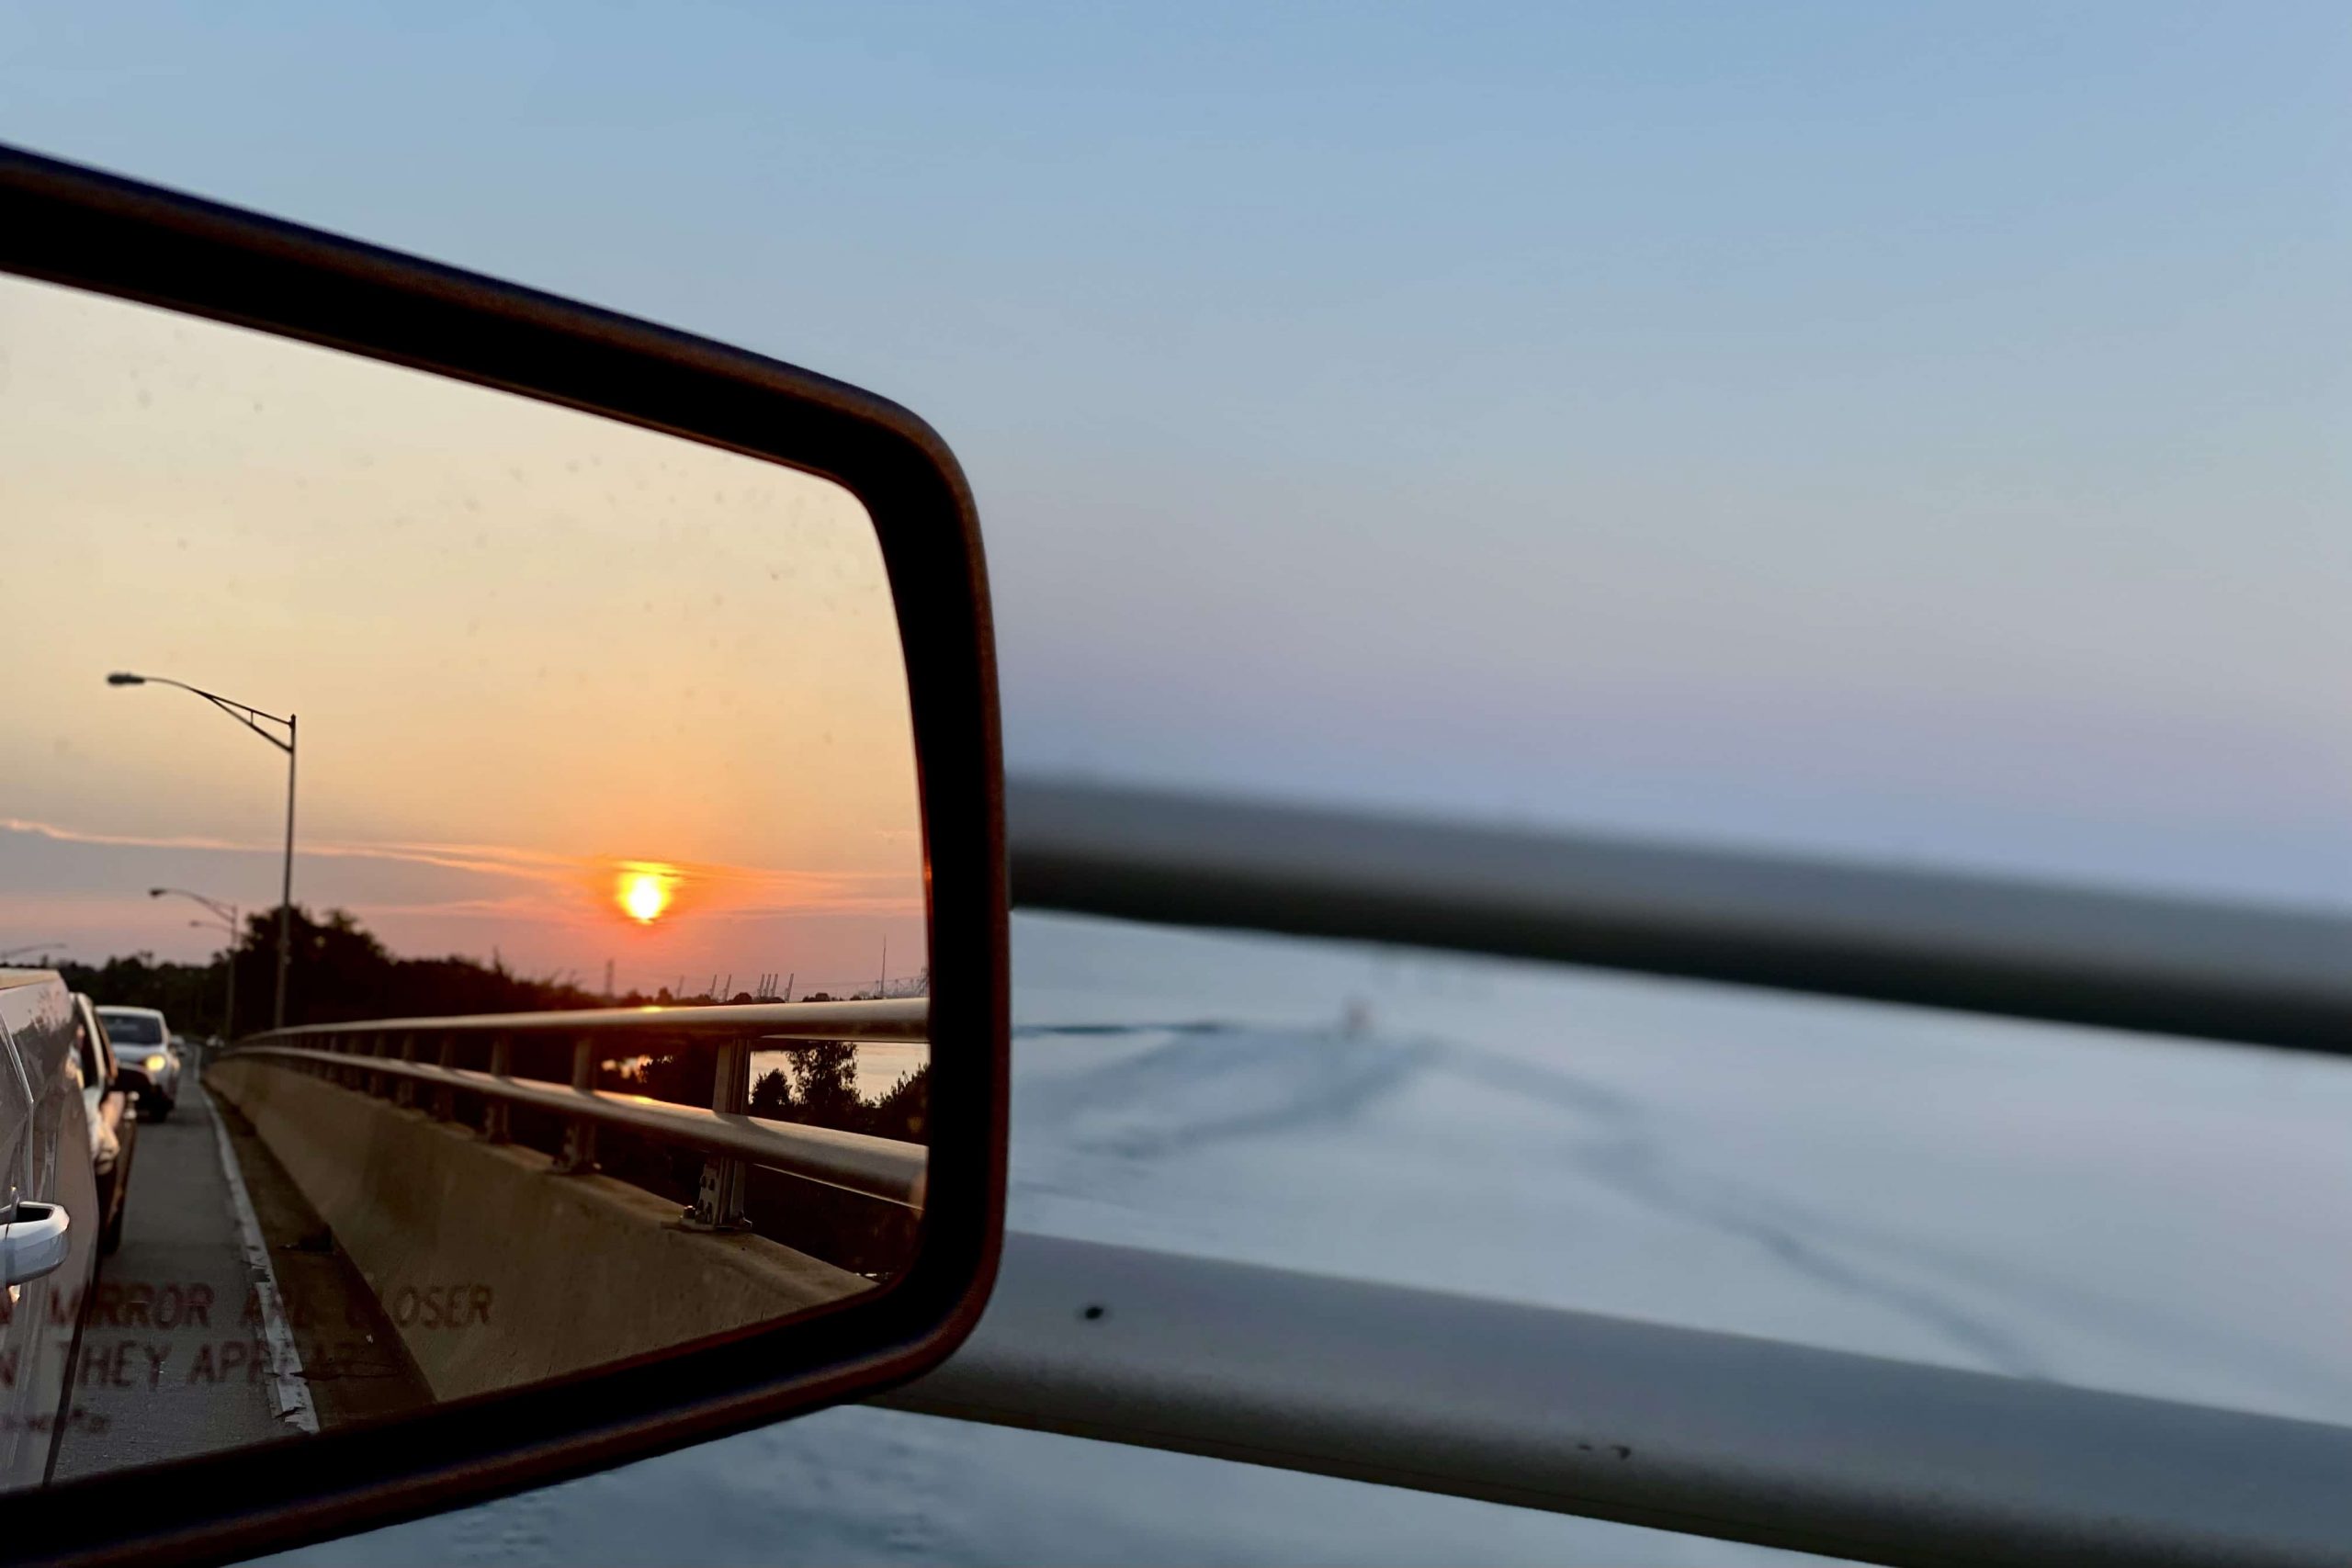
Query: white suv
[[142, 1044]]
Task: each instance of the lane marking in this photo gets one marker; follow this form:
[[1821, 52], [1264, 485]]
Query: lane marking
[[286, 1377]]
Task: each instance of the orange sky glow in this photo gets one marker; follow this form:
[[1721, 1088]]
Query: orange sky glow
[[571, 692]]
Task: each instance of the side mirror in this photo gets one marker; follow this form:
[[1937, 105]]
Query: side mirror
[[620, 692]]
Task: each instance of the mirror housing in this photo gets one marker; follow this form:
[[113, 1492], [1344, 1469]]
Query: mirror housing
[[71, 226]]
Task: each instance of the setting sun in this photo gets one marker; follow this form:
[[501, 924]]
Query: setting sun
[[643, 895]]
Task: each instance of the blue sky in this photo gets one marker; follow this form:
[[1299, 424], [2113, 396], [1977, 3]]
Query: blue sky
[[1906, 431]]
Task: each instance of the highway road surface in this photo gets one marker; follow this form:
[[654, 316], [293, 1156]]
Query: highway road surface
[[227, 1318]]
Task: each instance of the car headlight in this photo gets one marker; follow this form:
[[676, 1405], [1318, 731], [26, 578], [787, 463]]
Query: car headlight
[[155, 1062]]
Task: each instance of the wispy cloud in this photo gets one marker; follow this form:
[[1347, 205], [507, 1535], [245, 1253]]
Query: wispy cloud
[[737, 891], [134, 841]]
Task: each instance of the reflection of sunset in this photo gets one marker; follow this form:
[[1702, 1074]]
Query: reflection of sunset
[[643, 895], [659, 803]]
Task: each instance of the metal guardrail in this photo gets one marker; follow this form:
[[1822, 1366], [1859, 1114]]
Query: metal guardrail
[[1974, 944], [388, 1053], [1685, 1430], [1677, 1428], [901, 1018]]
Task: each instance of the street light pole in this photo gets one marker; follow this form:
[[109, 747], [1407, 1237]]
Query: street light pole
[[229, 916], [253, 718], [285, 888]]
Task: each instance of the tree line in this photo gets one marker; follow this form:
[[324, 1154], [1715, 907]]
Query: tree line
[[343, 972]]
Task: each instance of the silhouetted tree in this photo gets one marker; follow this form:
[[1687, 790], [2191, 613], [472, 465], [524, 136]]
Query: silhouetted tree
[[772, 1095], [824, 1083], [905, 1111]]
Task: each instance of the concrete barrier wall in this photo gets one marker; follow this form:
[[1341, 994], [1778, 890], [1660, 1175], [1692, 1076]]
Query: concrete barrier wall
[[496, 1271]]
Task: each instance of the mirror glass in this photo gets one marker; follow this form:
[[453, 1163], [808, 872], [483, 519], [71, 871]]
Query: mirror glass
[[461, 892]]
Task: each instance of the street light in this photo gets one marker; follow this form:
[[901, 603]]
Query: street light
[[228, 916], [253, 718], [28, 947]]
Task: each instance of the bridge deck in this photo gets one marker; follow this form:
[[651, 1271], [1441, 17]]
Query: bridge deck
[[176, 1355]]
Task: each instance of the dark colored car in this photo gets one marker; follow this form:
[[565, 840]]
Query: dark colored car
[[108, 1101]]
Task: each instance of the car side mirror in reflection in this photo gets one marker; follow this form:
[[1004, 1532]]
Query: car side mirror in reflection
[[581, 741]]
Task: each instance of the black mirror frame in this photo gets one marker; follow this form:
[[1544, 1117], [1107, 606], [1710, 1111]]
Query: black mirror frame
[[61, 223]]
